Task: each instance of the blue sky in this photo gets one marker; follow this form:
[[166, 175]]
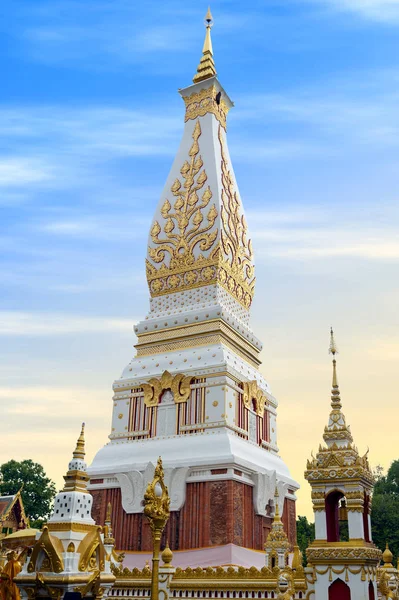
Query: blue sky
[[89, 123]]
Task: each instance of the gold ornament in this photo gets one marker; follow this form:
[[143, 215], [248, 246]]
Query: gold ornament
[[178, 384], [156, 509], [206, 101], [253, 392]]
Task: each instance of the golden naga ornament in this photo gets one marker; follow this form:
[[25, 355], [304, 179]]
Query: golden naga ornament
[[178, 384]]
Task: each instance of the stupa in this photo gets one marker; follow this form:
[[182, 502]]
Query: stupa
[[193, 392]]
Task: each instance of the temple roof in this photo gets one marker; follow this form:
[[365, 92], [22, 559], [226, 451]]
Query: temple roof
[[8, 502]]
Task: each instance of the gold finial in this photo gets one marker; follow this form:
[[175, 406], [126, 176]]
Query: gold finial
[[167, 554], [79, 451], [206, 67], [387, 557]]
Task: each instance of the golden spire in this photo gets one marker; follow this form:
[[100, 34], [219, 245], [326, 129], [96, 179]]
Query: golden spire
[[206, 67], [335, 393], [76, 478], [79, 451]]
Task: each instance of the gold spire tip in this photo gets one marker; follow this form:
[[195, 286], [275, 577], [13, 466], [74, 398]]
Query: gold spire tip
[[206, 68], [79, 451]]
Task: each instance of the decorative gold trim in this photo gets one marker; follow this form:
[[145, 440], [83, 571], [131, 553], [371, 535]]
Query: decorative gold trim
[[87, 547], [198, 104], [73, 526], [234, 243], [53, 549]]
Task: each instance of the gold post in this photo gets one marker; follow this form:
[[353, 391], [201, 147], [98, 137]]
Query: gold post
[[156, 509]]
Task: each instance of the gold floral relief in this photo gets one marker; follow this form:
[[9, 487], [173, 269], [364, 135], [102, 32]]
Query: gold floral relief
[[236, 248], [186, 244], [186, 224], [178, 384], [206, 101]]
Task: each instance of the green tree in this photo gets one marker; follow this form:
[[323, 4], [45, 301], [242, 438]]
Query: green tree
[[38, 491], [304, 534], [385, 508]]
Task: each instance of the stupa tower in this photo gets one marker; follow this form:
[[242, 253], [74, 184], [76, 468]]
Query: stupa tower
[[193, 393]]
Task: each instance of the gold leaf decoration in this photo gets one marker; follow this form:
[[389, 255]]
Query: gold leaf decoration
[[183, 226], [236, 248]]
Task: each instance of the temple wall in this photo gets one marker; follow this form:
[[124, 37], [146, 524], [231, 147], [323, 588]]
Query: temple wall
[[215, 513]]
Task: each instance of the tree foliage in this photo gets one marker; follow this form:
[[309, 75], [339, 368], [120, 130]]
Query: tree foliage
[[304, 534], [385, 509], [38, 491]]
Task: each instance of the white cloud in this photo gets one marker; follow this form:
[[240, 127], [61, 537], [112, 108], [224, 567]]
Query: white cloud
[[311, 235], [47, 324], [18, 172], [379, 10]]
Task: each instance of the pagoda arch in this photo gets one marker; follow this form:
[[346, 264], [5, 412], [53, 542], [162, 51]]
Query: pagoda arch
[[339, 591]]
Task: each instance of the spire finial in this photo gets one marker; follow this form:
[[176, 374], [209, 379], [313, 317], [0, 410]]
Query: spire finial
[[206, 67], [333, 346], [79, 451], [335, 394]]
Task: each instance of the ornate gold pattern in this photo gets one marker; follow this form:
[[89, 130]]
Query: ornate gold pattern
[[91, 550], [341, 552], [206, 101], [178, 384], [52, 548], [184, 228], [228, 259], [253, 392], [240, 275], [135, 573]]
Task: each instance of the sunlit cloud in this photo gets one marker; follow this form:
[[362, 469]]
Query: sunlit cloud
[[18, 323]]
